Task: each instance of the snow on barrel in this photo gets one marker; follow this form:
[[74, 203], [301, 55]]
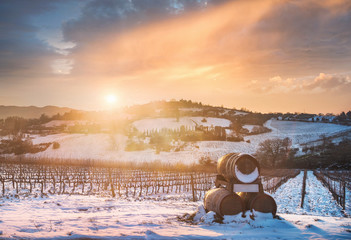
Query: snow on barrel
[[223, 202], [263, 203], [242, 167]]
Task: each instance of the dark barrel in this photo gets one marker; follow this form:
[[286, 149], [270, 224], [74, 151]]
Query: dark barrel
[[242, 167], [223, 202], [263, 203], [247, 198]]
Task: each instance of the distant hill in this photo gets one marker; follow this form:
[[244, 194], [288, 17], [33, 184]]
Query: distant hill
[[31, 111]]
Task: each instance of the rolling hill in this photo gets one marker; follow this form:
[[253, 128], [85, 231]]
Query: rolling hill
[[30, 111]]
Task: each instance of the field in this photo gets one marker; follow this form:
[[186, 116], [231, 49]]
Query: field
[[57, 201], [161, 215], [111, 147], [172, 123]]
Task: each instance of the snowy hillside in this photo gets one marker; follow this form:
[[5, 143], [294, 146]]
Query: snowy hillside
[[112, 146], [172, 123], [159, 217], [298, 132], [57, 123], [302, 132]]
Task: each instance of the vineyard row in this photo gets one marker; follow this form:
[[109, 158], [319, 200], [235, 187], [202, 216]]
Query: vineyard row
[[336, 185], [47, 179]]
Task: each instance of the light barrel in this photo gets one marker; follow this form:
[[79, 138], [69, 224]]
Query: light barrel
[[223, 202], [242, 167]]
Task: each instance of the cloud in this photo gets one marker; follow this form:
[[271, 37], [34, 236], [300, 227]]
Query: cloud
[[329, 82], [104, 16], [62, 66], [292, 37], [322, 83], [235, 41], [197, 39], [22, 55], [152, 49]]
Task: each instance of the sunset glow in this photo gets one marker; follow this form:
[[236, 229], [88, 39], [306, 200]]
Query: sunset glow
[[263, 55], [175, 119], [111, 99]]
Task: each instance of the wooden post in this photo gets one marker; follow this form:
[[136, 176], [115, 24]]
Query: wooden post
[[193, 187], [303, 191], [344, 195], [3, 187], [111, 183]]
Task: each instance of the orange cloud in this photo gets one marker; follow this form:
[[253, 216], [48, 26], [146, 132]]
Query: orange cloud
[[213, 55]]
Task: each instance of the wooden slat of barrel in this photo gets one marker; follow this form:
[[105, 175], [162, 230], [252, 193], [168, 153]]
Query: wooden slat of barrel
[[223, 202], [224, 165], [264, 203]]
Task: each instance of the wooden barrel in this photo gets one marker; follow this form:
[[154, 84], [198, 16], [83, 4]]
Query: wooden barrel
[[223, 202], [263, 203], [247, 198], [242, 167]]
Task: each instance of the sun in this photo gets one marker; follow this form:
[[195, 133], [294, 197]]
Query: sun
[[111, 99]]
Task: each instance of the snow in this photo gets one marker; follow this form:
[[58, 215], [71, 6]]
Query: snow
[[208, 218], [172, 123], [210, 121], [110, 147], [298, 132], [191, 109], [249, 127], [82, 146], [78, 216], [37, 139], [302, 132], [160, 217], [57, 123], [348, 202], [161, 123], [318, 200], [240, 113], [246, 178], [199, 213], [288, 196]]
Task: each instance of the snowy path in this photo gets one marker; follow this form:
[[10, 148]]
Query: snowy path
[[348, 202], [288, 196], [318, 200]]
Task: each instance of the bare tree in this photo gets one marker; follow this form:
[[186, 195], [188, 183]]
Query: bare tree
[[274, 152]]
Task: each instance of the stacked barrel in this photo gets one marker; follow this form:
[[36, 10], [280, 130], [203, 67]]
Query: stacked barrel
[[238, 187]]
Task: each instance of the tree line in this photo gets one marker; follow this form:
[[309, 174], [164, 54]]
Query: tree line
[[279, 153]]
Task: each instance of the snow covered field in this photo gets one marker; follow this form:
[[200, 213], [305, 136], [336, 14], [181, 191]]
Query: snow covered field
[[303, 132], [77, 216], [171, 123], [111, 147], [57, 123]]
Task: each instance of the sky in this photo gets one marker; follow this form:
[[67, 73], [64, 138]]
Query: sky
[[263, 55]]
